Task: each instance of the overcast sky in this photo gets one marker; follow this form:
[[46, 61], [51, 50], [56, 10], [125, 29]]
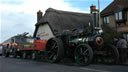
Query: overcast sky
[[18, 16]]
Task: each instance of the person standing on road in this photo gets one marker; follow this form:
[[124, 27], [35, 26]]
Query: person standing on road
[[115, 41], [122, 47]]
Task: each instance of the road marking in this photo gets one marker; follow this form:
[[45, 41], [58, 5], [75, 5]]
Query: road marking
[[96, 70]]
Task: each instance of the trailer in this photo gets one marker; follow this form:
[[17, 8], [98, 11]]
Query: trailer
[[34, 50], [23, 46]]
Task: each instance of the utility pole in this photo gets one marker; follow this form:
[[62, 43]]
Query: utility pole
[[99, 12]]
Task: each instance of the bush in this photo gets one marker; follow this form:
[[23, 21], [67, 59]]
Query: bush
[[109, 36]]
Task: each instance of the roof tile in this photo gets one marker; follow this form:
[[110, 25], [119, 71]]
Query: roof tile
[[116, 3]]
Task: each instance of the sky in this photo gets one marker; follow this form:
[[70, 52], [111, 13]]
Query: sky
[[18, 16]]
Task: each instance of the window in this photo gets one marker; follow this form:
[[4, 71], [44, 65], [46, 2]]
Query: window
[[119, 16], [20, 40], [125, 36], [106, 20], [116, 16]]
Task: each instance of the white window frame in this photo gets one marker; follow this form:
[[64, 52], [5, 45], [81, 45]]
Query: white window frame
[[125, 36], [119, 16], [116, 16], [106, 20]]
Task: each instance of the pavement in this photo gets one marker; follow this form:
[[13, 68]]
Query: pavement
[[22, 65]]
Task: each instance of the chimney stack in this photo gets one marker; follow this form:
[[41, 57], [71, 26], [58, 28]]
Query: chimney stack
[[95, 17], [92, 8], [39, 15]]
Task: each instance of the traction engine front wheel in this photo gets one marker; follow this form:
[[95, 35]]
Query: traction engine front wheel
[[83, 54]]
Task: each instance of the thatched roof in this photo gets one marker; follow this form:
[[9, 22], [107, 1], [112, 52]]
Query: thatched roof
[[61, 20]]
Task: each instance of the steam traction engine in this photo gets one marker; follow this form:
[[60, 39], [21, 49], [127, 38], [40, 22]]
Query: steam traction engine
[[82, 46]]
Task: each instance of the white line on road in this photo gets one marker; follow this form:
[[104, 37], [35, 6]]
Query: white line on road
[[95, 70]]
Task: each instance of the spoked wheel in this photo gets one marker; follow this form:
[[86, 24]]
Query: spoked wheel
[[83, 54], [24, 55], [33, 56], [3, 51], [14, 54], [54, 50], [111, 54], [7, 54]]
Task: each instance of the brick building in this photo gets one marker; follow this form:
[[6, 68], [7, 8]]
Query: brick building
[[115, 15]]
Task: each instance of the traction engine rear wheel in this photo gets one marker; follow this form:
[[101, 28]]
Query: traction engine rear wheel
[[54, 50]]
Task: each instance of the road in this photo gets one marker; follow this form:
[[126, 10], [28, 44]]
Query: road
[[21, 65]]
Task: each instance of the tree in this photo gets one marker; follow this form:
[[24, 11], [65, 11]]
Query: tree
[[109, 34]]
